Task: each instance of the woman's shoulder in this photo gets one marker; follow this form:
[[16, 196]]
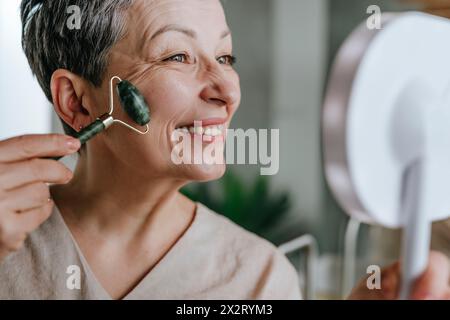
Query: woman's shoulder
[[253, 255], [223, 229]]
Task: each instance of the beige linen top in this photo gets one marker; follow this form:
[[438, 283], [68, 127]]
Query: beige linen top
[[214, 259]]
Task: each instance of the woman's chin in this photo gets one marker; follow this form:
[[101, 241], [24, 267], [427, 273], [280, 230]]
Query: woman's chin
[[205, 172]]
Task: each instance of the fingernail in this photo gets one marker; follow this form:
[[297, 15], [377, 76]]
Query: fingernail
[[73, 144]]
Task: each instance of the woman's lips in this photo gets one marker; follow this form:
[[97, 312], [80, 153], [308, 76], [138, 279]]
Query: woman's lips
[[212, 121], [204, 123]]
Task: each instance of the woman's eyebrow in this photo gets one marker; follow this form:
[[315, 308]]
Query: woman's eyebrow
[[189, 32]]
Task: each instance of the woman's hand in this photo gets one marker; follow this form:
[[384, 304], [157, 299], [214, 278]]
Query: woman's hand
[[432, 285], [25, 201]]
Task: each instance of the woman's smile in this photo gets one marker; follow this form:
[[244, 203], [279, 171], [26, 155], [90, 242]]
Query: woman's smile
[[209, 130]]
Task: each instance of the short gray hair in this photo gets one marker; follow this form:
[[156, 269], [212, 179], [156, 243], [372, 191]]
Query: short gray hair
[[49, 44]]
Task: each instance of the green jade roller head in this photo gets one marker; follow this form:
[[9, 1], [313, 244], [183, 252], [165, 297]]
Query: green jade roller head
[[133, 103]]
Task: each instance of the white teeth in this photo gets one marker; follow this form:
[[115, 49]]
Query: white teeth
[[198, 130], [212, 131]]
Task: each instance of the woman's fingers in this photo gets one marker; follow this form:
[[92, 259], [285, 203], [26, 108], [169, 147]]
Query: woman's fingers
[[25, 172], [32, 219], [14, 228], [37, 146], [24, 192], [390, 281], [434, 283], [26, 198], [12, 234]]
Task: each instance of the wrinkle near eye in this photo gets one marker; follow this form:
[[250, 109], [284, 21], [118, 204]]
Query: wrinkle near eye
[[141, 72]]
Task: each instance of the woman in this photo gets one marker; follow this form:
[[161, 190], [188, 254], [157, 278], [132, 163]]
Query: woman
[[119, 221]]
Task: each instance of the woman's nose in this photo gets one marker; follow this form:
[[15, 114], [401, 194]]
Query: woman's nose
[[220, 89]]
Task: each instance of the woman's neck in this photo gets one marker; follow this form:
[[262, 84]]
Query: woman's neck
[[109, 199], [123, 224]]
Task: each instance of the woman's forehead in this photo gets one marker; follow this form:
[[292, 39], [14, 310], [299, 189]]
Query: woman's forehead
[[201, 20], [195, 14]]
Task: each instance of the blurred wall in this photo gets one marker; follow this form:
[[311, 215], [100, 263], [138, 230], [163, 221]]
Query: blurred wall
[[345, 15], [282, 50], [24, 108], [298, 73]]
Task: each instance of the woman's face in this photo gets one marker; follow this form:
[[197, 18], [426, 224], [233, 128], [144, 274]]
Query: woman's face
[[179, 55]]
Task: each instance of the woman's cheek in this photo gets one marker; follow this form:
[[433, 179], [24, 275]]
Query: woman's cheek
[[171, 95], [237, 82]]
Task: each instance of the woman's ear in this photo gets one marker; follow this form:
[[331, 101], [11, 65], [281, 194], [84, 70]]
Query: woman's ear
[[68, 90]]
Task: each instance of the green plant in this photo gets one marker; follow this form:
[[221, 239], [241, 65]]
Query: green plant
[[253, 207]]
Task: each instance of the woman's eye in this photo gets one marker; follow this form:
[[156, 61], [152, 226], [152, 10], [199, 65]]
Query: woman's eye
[[227, 59], [181, 57]]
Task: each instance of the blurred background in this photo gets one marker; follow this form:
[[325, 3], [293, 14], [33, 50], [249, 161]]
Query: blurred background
[[285, 49]]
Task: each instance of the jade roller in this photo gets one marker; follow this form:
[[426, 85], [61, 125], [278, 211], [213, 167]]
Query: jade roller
[[132, 102]]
